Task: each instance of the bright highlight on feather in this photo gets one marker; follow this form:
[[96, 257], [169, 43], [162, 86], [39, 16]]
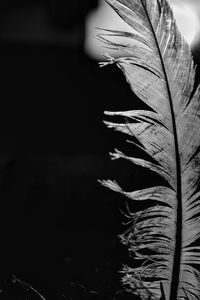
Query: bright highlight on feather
[[187, 21], [186, 15]]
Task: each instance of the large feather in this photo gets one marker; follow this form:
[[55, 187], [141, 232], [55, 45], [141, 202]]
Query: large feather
[[160, 70]]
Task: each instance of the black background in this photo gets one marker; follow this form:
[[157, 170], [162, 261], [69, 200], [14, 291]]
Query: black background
[[58, 225]]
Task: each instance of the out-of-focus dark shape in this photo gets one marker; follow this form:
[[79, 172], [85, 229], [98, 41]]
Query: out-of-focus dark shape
[[57, 222], [45, 22], [65, 14]]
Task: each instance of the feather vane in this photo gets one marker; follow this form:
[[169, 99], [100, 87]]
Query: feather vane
[[160, 70]]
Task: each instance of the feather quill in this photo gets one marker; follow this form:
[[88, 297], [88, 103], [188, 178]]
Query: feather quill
[[160, 70]]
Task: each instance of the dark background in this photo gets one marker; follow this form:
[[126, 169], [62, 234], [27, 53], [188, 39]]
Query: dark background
[[58, 225]]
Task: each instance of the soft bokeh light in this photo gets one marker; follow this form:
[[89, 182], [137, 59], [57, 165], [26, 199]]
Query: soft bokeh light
[[103, 17], [187, 21], [186, 12]]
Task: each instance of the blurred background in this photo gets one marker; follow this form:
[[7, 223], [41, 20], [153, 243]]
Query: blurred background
[[59, 227]]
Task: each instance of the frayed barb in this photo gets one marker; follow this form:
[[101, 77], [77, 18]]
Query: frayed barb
[[110, 60]]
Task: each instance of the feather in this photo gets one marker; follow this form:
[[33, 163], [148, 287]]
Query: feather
[[158, 65]]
